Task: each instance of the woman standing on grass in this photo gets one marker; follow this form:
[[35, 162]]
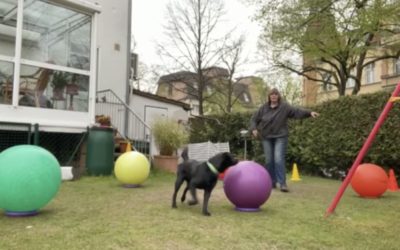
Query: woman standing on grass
[[269, 124]]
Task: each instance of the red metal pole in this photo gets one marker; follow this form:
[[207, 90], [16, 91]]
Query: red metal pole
[[362, 152]]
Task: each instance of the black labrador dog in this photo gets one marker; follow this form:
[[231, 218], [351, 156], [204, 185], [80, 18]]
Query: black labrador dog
[[201, 175]]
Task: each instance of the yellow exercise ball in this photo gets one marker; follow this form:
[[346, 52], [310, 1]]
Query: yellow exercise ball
[[132, 168]]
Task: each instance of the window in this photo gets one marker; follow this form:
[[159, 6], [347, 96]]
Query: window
[[209, 90], [6, 79], [7, 49], [8, 28], [191, 89], [396, 66], [57, 35], [369, 73], [326, 78], [350, 81], [194, 108], [54, 58], [246, 98], [170, 89]]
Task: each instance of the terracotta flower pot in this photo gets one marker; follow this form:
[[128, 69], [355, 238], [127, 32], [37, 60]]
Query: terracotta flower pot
[[167, 163]]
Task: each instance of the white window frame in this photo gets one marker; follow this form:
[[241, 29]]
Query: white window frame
[[350, 81], [246, 97], [53, 119], [370, 73], [325, 86]]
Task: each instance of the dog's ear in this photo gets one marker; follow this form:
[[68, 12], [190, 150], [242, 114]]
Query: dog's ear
[[223, 160], [217, 159], [234, 160]]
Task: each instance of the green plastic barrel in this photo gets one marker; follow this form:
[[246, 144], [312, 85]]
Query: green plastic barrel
[[100, 151]]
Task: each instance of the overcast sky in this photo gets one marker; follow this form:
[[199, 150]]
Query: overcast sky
[[148, 15]]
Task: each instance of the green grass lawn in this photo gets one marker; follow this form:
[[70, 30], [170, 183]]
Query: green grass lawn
[[97, 213]]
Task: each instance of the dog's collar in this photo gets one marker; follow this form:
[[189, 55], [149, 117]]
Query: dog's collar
[[212, 168]]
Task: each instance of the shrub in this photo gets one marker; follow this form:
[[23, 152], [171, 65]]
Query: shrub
[[326, 145], [334, 139], [169, 135]]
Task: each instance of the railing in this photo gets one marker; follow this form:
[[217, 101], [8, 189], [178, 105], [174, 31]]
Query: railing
[[128, 124]]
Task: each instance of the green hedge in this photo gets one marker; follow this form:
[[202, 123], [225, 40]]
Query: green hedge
[[326, 145], [333, 140]]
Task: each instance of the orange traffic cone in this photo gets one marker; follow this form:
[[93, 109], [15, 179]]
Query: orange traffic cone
[[392, 183], [128, 147]]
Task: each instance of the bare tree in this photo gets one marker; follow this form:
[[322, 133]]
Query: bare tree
[[227, 91], [147, 77], [192, 40]]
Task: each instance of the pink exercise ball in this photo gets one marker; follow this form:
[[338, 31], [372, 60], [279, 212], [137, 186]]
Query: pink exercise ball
[[247, 185]]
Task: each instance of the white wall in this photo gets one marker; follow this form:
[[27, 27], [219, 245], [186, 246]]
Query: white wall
[[142, 105], [150, 109], [113, 32]]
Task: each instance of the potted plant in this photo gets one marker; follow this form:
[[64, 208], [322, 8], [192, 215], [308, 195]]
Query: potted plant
[[59, 81], [169, 136], [103, 120]]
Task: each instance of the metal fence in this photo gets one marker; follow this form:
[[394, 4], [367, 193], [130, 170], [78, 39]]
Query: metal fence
[[12, 134], [129, 125], [64, 146]]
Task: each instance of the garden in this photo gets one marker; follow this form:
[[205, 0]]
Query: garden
[[101, 213], [98, 213]]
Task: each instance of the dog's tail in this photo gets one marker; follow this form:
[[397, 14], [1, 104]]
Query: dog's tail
[[185, 154]]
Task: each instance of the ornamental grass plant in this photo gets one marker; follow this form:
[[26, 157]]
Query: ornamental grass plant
[[169, 135]]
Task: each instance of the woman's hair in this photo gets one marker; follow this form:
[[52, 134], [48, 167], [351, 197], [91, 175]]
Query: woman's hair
[[274, 91]]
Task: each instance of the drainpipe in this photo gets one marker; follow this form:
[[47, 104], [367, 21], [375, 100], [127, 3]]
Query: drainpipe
[[128, 66]]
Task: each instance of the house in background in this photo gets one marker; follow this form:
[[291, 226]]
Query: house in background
[[380, 75], [152, 107], [179, 86], [62, 62], [256, 89], [182, 86]]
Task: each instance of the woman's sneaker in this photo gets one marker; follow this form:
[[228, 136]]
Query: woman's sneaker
[[284, 188]]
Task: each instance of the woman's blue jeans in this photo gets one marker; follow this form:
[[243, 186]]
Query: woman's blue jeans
[[275, 153]]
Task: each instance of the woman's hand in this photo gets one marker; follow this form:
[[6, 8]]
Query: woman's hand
[[314, 114]]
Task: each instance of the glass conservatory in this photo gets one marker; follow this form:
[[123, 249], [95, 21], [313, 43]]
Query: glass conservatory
[[47, 62]]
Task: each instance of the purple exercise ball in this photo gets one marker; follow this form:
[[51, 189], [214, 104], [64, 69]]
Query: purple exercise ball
[[247, 185]]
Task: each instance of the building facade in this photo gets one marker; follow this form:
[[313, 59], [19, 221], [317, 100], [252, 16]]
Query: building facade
[[182, 86], [55, 55], [380, 75]]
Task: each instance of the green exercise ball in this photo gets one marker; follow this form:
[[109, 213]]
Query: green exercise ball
[[30, 176]]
